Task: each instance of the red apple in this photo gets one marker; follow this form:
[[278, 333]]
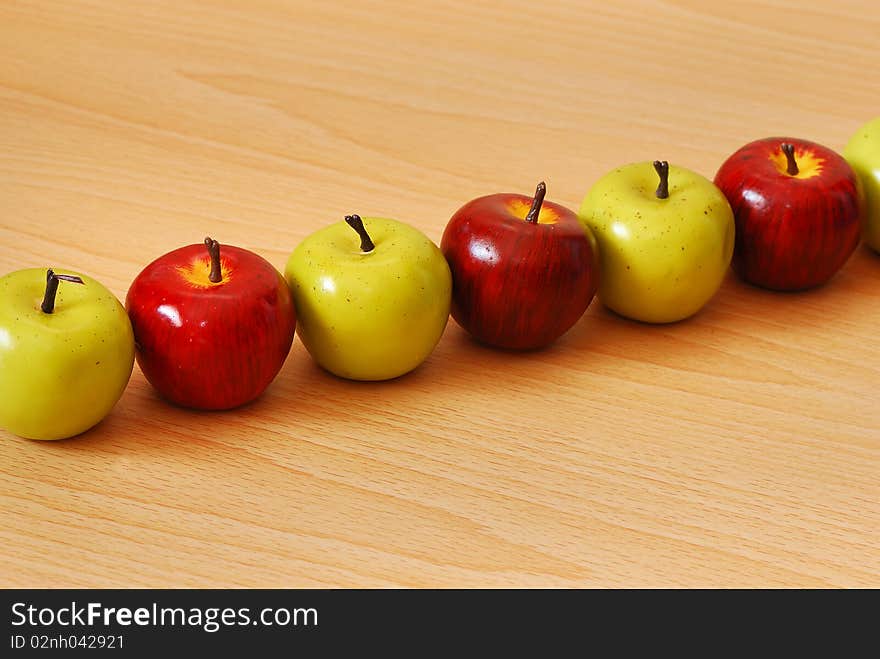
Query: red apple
[[212, 329], [523, 270], [798, 208]]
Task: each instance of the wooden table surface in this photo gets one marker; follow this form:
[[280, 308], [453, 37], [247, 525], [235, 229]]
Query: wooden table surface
[[738, 448]]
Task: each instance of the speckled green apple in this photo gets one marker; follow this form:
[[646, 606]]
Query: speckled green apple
[[863, 154], [66, 353], [372, 297], [664, 249]]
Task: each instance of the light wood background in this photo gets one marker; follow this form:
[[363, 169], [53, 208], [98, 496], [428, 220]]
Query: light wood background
[[740, 448]]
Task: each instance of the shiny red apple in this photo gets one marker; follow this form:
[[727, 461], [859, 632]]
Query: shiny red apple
[[212, 325], [798, 208], [524, 270]]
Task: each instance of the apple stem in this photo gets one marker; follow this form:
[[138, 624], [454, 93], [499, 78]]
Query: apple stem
[[356, 223], [788, 150], [662, 169], [48, 305], [535, 210], [216, 274]]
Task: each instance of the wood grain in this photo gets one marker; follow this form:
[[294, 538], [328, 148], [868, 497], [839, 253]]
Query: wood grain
[[740, 448]]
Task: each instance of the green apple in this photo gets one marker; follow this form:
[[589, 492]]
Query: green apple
[[372, 297], [66, 353], [863, 154], [663, 250]]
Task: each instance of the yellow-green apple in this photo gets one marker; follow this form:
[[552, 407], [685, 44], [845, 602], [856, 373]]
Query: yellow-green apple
[[213, 326], [798, 208], [524, 270], [66, 353], [863, 154], [372, 297], [664, 248]]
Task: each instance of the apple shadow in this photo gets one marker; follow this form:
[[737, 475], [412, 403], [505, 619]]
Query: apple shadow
[[81, 439], [109, 433], [871, 252], [837, 290], [473, 350], [142, 420], [601, 326]]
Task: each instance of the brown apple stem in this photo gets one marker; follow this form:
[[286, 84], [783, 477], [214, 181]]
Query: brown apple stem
[[48, 305], [356, 223], [788, 150], [216, 274], [662, 169], [535, 210]]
